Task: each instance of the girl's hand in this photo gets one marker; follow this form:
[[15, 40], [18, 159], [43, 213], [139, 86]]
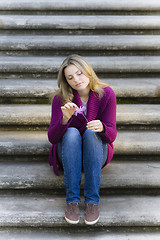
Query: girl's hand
[[68, 110], [95, 126]]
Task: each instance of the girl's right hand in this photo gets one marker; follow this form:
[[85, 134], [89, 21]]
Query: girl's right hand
[[68, 110]]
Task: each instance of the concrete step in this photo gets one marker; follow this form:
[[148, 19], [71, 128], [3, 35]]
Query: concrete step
[[142, 175], [42, 88], [68, 233], [76, 22], [138, 114], [82, 42], [41, 210], [144, 5], [120, 64], [40, 115], [21, 143]]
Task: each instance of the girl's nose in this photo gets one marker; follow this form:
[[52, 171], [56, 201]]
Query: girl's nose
[[76, 78]]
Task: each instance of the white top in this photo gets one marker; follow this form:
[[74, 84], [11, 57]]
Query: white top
[[84, 104]]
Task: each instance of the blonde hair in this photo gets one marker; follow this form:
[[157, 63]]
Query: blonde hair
[[65, 90]]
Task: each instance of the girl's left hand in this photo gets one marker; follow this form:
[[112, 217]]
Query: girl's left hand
[[95, 126]]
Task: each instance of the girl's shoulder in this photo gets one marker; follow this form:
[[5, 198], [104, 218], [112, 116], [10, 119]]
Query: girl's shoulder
[[108, 91], [57, 99], [108, 97]]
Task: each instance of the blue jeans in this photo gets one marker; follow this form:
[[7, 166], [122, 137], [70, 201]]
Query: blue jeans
[[88, 152]]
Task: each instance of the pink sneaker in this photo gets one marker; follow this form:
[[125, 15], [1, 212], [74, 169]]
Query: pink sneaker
[[91, 213], [72, 213]]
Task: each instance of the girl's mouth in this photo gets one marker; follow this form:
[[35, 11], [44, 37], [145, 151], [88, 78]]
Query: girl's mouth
[[78, 84]]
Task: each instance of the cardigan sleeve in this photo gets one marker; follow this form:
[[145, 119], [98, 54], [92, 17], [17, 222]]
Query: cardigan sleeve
[[108, 118], [57, 129]]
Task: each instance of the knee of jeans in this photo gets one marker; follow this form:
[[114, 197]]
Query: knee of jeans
[[72, 134], [88, 134]]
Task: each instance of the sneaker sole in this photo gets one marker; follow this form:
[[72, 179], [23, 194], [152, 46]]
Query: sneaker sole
[[91, 223], [70, 221]]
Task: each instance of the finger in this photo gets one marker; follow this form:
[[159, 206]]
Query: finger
[[72, 104], [94, 122], [93, 125], [94, 129], [67, 106]]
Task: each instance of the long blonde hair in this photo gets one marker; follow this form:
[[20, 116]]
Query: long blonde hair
[[65, 91]]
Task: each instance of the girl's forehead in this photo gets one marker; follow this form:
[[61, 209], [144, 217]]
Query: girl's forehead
[[71, 69]]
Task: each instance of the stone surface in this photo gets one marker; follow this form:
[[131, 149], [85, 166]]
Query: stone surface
[[25, 114], [27, 88], [36, 143], [117, 174], [100, 64], [39, 88], [78, 23], [38, 210], [138, 114], [27, 27], [137, 142], [67, 234], [82, 42], [144, 5], [41, 114], [24, 143]]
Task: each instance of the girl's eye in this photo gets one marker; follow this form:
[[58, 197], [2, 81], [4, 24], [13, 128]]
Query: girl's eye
[[79, 73], [69, 78]]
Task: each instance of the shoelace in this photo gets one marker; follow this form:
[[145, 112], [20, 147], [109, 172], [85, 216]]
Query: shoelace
[[90, 207], [73, 207]]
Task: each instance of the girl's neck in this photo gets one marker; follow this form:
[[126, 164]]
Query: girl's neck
[[84, 94], [84, 97]]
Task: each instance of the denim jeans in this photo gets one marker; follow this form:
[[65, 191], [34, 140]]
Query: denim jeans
[[88, 152]]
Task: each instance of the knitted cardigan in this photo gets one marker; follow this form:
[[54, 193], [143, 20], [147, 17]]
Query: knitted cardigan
[[103, 109]]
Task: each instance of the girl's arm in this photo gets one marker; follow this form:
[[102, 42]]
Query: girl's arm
[[57, 128], [108, 119]]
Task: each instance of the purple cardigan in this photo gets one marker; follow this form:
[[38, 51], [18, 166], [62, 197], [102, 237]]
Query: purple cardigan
[[103, 109]]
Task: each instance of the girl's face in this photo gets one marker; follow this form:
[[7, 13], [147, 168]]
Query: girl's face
[[76, 79]]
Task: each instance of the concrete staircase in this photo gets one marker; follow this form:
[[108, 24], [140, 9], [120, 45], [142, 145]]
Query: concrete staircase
[[121, 40]]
